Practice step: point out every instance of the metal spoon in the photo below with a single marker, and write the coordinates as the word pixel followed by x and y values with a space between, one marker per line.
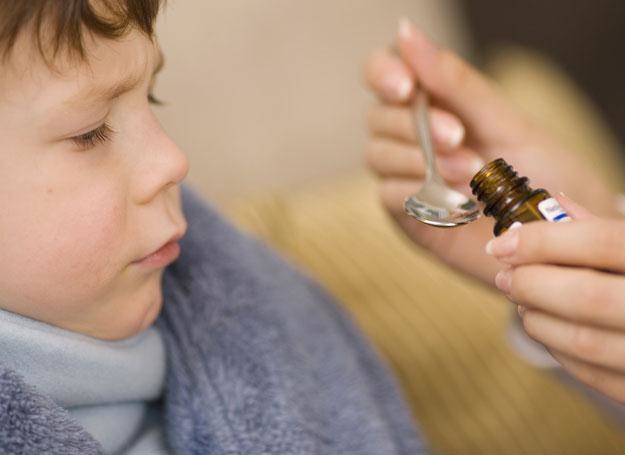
pixel 436 204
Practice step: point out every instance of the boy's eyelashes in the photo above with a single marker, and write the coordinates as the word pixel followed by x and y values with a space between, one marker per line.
pixel 103 132
pixel 94 137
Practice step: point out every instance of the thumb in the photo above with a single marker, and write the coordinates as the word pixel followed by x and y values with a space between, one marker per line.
pixel 453 82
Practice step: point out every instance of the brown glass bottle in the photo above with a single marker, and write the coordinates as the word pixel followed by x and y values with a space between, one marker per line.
pixel 508 198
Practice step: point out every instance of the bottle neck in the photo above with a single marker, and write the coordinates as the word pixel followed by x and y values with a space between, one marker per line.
pixel 499 188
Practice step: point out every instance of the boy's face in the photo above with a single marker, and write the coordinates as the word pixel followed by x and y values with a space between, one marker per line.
pixel 81 202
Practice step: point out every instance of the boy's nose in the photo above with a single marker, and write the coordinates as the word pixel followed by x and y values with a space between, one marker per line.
pixel 164 165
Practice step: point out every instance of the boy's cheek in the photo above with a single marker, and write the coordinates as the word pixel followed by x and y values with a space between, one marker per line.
pixel 65 253
pixel 66 248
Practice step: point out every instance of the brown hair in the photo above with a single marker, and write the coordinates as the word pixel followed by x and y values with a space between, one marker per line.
pixel 66 21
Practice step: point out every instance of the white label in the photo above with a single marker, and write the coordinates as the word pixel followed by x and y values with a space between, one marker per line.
pixel 552 211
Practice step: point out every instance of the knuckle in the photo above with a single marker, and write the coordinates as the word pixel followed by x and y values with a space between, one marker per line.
pixel 391 122
pixel 530 245
pixel 372 152
pixel 520 292
pixel 590 297
pixel 380 160
pixel 585 343
pixel 372 61
pixel 384 194
pixel 591 378
pixel 607 241
pixel 455 70
pixel 388 198
pixel 403 125
pixel 529 326
pixel 374 68
pixel 390 158
pixel 371 155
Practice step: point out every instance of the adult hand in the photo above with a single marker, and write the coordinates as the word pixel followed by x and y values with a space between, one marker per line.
pixel 472 123
pixel 569 282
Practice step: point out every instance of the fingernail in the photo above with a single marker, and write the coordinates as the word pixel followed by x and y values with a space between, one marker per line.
pixel 406 29
pixel 404 87
pixel 521 310
pixel 398 85
pixel 409 32
pixel 504 245
pixel 448 130
pixel 477 164
pixel 503 281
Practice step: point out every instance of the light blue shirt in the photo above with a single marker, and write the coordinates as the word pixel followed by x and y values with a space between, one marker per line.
pixel 110 387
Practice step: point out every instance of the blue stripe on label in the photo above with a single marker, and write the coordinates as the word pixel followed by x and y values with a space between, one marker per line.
pixel 560 216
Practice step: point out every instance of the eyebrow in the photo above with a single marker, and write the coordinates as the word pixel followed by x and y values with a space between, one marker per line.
pixel 99 94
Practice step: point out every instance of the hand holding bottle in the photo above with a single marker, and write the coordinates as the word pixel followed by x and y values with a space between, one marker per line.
pixel 569 282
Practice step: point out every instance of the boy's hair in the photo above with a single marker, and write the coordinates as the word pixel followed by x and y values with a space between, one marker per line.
pixel 59 25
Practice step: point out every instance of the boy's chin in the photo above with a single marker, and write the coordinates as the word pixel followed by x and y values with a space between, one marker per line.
pixel 142 321
pixel 151 314
pixel 141 313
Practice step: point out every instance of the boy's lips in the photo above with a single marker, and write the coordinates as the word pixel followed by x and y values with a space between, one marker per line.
pixel 164 254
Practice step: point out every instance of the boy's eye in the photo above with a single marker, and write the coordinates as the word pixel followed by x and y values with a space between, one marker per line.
pixel 103 132
pixel 94 137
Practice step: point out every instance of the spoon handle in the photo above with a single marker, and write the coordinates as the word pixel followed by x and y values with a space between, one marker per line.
pixel 422 124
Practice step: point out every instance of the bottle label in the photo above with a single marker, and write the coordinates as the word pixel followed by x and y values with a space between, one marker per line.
pixel 552 211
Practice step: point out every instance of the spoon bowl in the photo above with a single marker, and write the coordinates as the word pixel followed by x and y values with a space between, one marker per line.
pixel 436 203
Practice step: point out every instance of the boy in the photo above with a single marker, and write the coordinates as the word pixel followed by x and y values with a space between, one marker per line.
pixel 247 355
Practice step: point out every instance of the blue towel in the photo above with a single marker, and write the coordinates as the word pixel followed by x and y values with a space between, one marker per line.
pixel 260 361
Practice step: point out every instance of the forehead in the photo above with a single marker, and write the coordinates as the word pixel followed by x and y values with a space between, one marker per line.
pixel 26 75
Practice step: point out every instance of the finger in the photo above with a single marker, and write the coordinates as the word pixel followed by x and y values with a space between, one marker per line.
pixel 390 158
pixel 389 77
pixel 461 88
pixel 606 381
pixel 397 123
pixel 580 295
pixel 601 347
pixel 595 242
pixel 572 208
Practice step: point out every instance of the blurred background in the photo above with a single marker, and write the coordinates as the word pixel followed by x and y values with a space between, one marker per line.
pixel 584 37
pixel 267 99
pixel 267 94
